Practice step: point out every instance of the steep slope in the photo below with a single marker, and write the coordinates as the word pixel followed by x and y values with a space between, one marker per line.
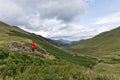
pixel 104 44
pixel 13 36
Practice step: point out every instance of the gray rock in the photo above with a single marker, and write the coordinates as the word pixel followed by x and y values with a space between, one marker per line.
pixel 22 47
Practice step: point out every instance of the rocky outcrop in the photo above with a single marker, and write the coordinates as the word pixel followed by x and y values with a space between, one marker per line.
pixel 18 47
pixel 22 47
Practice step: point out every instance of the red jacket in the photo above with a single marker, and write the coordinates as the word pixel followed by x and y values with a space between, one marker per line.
pixel 33 44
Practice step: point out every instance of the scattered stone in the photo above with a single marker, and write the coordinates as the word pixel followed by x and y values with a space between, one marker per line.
pixel 18 47
pixel 22 47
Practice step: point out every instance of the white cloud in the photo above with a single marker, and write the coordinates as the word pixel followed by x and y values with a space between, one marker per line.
pixel 112 18
pixel 59 9
pixel 69 31
pixel 49 18
pixel 10 12
pixel 90 1
pixel 52 18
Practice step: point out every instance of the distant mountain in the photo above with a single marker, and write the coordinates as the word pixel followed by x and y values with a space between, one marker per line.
pixel 65 41
pixel 54 42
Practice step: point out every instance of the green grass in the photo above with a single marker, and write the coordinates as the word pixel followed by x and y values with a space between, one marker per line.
pixel 10 58
pixel 105 47
pixel 66 66
pixel 26 66
pixel 54 72
pixel 61 54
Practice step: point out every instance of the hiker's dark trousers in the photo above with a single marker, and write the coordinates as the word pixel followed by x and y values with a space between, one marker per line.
pixel 33 49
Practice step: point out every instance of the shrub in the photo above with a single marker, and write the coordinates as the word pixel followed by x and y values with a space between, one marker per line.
pixel 3 54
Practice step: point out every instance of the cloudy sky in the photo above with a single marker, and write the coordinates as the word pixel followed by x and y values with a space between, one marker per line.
pixel 62 19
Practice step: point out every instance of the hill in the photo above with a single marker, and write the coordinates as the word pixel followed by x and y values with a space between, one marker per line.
pixel 48 62
pixel 14 36
pixel 105 46
pixel 17 59
pixel 65 41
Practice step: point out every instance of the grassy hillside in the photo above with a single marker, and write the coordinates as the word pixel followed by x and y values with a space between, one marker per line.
pixel 104 43
pixel 48 62
pixel 14 66
pixel 15 52
pixel 10 34
pixel 105 47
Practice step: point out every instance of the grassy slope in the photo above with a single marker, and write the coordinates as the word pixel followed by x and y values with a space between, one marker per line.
pixel 104 43
pixel 39 69
pixel 8 33
pixel 105 47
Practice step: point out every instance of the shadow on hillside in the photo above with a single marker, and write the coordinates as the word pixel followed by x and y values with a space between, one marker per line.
pixel 18 34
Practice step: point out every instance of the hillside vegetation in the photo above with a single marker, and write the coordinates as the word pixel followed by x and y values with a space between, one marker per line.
pixel 106 43
pixel 15 54
pixel 105 47
pixel 48 62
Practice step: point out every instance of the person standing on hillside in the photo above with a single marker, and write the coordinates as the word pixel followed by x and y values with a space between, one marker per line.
pixel 33 46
